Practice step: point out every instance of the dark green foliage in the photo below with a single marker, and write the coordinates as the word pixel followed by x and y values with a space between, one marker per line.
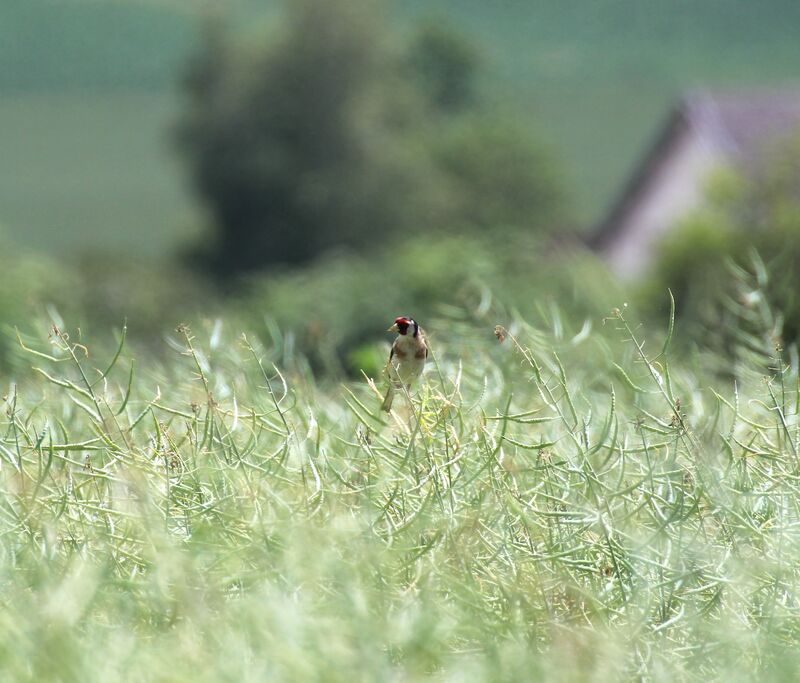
pixel 501 176
pixel 446 64
pixel 296 146
pixel 25 281
pixel 701 261
pixel 97 291
pixel 323 136
pixel 333 312
pixel 337 309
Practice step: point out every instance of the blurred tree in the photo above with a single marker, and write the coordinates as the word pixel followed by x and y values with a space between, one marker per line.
pixel 501 176
pixel 323 136
pixel 446 64
pixel 280 138
pixel 761 212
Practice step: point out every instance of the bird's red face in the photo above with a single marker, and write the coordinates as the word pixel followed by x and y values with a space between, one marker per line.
pixel 401 325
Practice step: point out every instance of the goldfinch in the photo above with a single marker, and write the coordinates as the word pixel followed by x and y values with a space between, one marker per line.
pixel 407 357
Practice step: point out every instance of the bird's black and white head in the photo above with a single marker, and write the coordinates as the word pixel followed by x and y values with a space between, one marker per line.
pixel 405 325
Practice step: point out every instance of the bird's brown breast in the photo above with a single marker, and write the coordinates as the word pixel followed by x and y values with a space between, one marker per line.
pixel 398 352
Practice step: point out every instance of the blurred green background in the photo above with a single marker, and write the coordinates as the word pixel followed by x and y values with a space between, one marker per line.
pixel 88 96
pixel 315 167
pixel 209 214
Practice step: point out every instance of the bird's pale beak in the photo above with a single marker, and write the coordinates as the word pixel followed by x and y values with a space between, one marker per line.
pixel 393 328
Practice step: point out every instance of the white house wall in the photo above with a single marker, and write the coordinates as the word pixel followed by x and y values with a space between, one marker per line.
pixel 673 189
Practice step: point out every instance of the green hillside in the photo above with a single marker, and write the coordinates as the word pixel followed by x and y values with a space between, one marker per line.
pixel 52 45
pixel 598 75
pixel 625 40
pixel 596 78
pixel 141 43
pixel 86 171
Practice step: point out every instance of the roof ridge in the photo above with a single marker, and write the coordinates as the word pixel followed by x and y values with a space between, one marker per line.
pixel 702 111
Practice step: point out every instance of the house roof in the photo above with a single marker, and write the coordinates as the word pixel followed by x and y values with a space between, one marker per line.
pixel 743 123
pixel 740 126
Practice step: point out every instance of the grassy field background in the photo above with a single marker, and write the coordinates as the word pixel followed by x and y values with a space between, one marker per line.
pixel 87 97
pixel 571 493
pixel 554 503
pixel 92 170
